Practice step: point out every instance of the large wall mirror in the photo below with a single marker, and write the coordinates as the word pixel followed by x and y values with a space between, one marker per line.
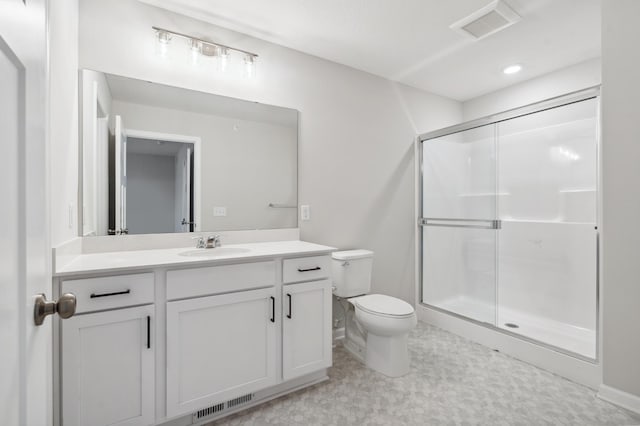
pixel 158 159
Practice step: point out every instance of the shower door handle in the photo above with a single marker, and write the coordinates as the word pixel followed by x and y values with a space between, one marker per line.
pixel 461 223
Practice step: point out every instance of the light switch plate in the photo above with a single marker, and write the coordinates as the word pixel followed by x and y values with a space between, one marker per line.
pixel 305 212
pixel 219 211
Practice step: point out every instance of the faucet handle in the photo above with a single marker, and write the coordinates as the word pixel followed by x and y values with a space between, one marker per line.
pixel 201 243
pixel 213 241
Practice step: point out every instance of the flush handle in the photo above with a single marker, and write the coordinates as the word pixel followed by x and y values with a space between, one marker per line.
pixel 65 307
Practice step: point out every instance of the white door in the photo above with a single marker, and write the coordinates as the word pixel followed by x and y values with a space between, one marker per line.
pixel 306 328
pixel 108 368
pixel 219 348
pixel 25 357
pixel 121 177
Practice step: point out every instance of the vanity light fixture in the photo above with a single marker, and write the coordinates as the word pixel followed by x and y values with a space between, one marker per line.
pixel 196 50
pixel 249 65
pixel 224 58
pixel 163 37
pixel 200 47
pixel 512 69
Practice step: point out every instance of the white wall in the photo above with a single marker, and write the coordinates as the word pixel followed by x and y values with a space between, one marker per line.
pixel 356 155
pixel 63 119
pixel 94 116
pixel 566 80
pixel 245 164
pixel 150 193
pixel 621 179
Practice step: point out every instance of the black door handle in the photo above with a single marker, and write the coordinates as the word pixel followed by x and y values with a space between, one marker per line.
pixel 289 314
pixel 148 332
pixel 273 309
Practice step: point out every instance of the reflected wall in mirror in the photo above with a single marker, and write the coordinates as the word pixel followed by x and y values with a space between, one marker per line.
pixel 158 159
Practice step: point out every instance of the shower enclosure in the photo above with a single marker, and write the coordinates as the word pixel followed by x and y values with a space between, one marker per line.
pixel 508 222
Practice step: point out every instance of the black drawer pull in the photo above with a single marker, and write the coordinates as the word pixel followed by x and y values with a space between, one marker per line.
pixel 273 309
pixel 148 332
pixel 317 268
pixel 93 295
pixel 289 314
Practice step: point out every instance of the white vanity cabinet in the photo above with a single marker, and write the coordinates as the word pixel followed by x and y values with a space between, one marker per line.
pixel 306 317
pixel 192 341
pixel 306 328
pixel 219 348
pixel 108 361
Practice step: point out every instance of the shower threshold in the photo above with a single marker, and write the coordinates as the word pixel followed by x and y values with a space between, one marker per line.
pixel 567 337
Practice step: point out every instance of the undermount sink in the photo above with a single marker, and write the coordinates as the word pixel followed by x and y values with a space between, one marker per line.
pixel 215 252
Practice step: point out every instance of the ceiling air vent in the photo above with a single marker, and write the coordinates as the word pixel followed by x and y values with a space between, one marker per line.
pixel 490 19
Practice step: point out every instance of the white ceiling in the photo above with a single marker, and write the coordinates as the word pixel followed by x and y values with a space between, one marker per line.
pixel 410 40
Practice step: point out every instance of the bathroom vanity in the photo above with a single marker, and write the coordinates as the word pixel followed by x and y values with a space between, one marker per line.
pixel 181 336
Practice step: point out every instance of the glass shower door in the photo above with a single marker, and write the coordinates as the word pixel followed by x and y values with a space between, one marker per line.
pixel 548 241
pixel 459 223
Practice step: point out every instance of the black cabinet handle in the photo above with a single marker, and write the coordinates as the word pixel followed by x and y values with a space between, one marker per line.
pixel 273 309
pixel 148 332
pixel 94 295
pixel 289 314
pixel 317 268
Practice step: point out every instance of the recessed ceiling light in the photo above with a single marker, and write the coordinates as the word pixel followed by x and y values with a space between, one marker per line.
pixel 512 69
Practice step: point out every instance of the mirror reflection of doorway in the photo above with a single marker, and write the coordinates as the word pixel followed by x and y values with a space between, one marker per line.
pixel 159 196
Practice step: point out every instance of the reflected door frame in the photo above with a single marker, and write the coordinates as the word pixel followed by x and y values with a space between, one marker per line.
pixel 197 162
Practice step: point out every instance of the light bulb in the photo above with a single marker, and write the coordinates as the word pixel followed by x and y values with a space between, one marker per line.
pixel 223 54
pixel 249 65
pixel 196 49
pixel 163 38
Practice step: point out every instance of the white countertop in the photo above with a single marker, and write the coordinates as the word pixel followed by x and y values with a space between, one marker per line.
pixel 147 259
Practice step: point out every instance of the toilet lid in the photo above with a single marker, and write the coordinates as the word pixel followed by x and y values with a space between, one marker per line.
pixel 385 305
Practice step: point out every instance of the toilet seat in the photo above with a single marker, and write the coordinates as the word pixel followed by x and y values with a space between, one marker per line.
pixel 384 306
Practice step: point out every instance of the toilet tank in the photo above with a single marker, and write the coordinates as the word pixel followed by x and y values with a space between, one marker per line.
pixel 351 272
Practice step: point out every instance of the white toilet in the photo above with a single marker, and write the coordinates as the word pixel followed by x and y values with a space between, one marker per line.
pixel 378 334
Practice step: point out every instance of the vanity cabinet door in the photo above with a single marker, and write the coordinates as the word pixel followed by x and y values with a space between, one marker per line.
pixel 219 348
pixel 108 368
pixel 306 339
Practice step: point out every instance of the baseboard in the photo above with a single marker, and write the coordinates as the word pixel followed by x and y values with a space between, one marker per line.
pixel 338 334
pixel 620 398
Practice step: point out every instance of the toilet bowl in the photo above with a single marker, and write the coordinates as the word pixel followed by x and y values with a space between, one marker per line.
pixel 387 322
pixel 381 326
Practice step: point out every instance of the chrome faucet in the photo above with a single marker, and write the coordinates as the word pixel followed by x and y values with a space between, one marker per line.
pixel 213 241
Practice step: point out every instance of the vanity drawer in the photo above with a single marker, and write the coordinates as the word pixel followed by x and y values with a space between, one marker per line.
pixel 184 283
pixel 306 268
pixel 95 294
